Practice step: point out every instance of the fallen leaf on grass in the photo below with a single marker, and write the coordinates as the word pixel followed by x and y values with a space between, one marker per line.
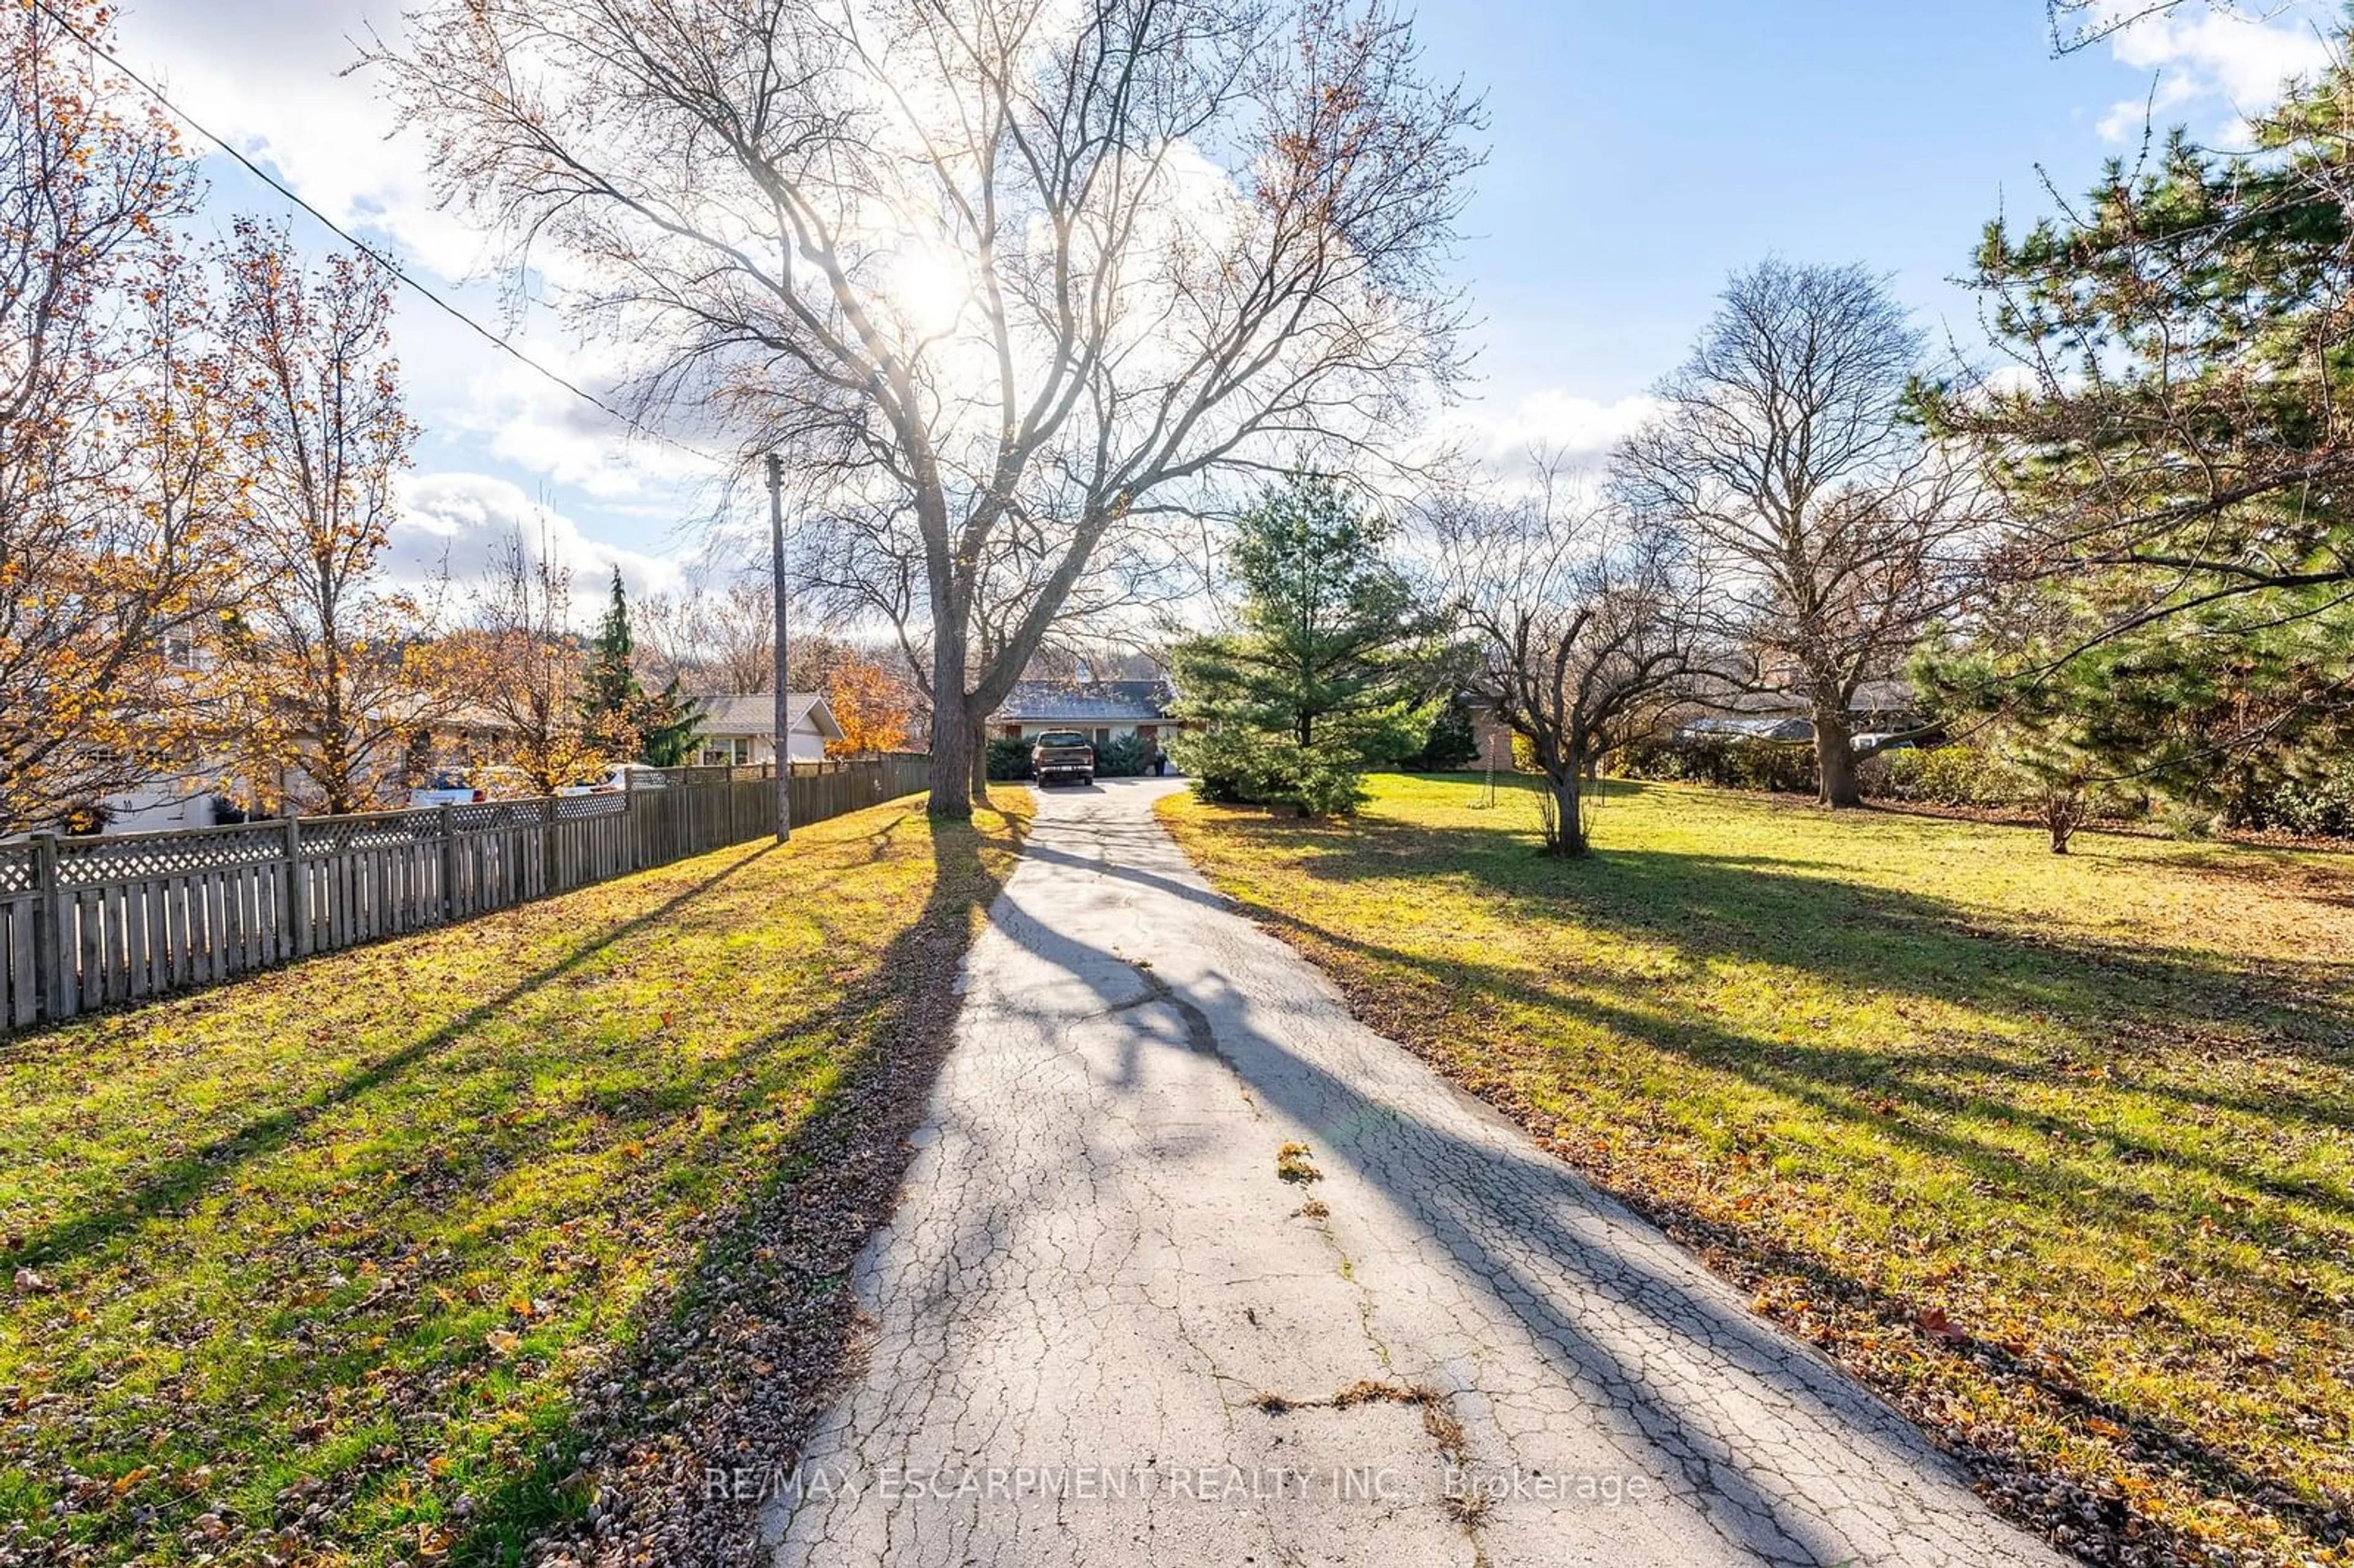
pixel 1933 1320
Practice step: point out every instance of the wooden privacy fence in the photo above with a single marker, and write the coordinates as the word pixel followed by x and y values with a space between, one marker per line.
pixel 89 922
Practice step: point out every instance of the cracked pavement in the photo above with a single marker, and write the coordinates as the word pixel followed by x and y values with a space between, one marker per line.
pixel 1101 1329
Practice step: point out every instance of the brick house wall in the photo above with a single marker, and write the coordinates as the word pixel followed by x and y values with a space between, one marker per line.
pixel 1493 737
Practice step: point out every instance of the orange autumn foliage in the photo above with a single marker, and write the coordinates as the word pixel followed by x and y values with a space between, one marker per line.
pixel 872 704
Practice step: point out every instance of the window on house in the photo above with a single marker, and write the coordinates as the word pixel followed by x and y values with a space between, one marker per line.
pixel 1103 735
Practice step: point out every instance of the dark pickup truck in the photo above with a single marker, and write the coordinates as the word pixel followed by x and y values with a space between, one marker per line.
pixel 1062 754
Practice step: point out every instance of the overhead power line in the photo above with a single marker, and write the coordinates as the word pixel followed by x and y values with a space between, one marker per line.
pixel 393 268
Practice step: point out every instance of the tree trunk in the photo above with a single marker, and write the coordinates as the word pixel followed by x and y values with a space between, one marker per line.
pixel 979 762
pixel 1835 757
pixel 2063 813
pixel 1566 821
pixel 952 793
pixel 952 724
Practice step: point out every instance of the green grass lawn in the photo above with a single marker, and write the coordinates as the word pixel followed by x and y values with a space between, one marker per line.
pixel 351 1263
pixel 2057 1152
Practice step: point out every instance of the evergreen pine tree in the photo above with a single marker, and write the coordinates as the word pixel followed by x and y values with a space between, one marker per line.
pixel 622 720
pixel 670 727
pixel 1333 668
pixel 611 695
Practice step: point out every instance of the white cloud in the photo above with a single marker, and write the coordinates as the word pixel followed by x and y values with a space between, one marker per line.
pixel 452 522
pixel 531 422
pixel 2202 55
pixel 276 79
pixel 1580 430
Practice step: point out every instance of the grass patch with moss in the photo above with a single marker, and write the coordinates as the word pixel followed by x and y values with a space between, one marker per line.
pixel 2058 1153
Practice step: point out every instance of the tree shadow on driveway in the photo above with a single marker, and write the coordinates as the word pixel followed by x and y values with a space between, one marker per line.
pixel 1864 1064
pixel 1693 1386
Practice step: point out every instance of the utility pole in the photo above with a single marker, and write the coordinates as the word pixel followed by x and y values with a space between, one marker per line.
pixel 784 624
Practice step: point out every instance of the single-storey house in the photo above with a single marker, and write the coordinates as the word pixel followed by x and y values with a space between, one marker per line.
pixel 1879 708
pixel 1104 711
pixel 740 729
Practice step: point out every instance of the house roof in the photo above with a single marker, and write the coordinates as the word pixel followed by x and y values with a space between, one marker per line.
pixel 1088 701
pixel 755 713
pixel 1762 727
pixel 1870 698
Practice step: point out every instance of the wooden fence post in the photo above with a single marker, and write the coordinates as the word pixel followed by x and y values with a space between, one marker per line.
pixel 295 941
pixel 448 815
pixel 629 815
pixel 546 845
pixel 54 982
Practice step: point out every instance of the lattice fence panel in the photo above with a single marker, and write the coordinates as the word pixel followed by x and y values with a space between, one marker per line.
pixel 138 857
pixel 143 915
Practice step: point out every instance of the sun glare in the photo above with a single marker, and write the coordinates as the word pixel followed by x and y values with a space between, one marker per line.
pixel 930 290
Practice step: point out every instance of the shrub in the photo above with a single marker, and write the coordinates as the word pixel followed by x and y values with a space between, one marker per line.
pixel 1450 744
pixel 1009 758
pixel 1948 776
pixel 1728 762
pixel 1232 763
pixel 2319 804
pixel 1128 757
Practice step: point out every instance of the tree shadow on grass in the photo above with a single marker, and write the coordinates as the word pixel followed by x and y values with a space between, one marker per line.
pixel 716 1383
pixel 1815 1076
pixel 1467 1197
pixel 681 1347
pixel 1871 938
pixel 183 1179
pixel 1859 936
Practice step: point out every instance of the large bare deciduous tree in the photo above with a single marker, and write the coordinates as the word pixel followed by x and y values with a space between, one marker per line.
pixel 1007 280
pixel 1584 617
pixel 715 632
pixel 1832 532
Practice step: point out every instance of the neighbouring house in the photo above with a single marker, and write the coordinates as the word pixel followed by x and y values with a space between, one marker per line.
pixel 740 729
pixel 181 801
pixel 1879 708
pixel 1491 738
pixel 1104 711
pixel 216 790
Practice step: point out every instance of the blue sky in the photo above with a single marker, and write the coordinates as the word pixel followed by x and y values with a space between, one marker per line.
pixel 1641 152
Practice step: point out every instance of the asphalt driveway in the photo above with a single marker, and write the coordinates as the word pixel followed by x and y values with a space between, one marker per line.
pixel 1114 1321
